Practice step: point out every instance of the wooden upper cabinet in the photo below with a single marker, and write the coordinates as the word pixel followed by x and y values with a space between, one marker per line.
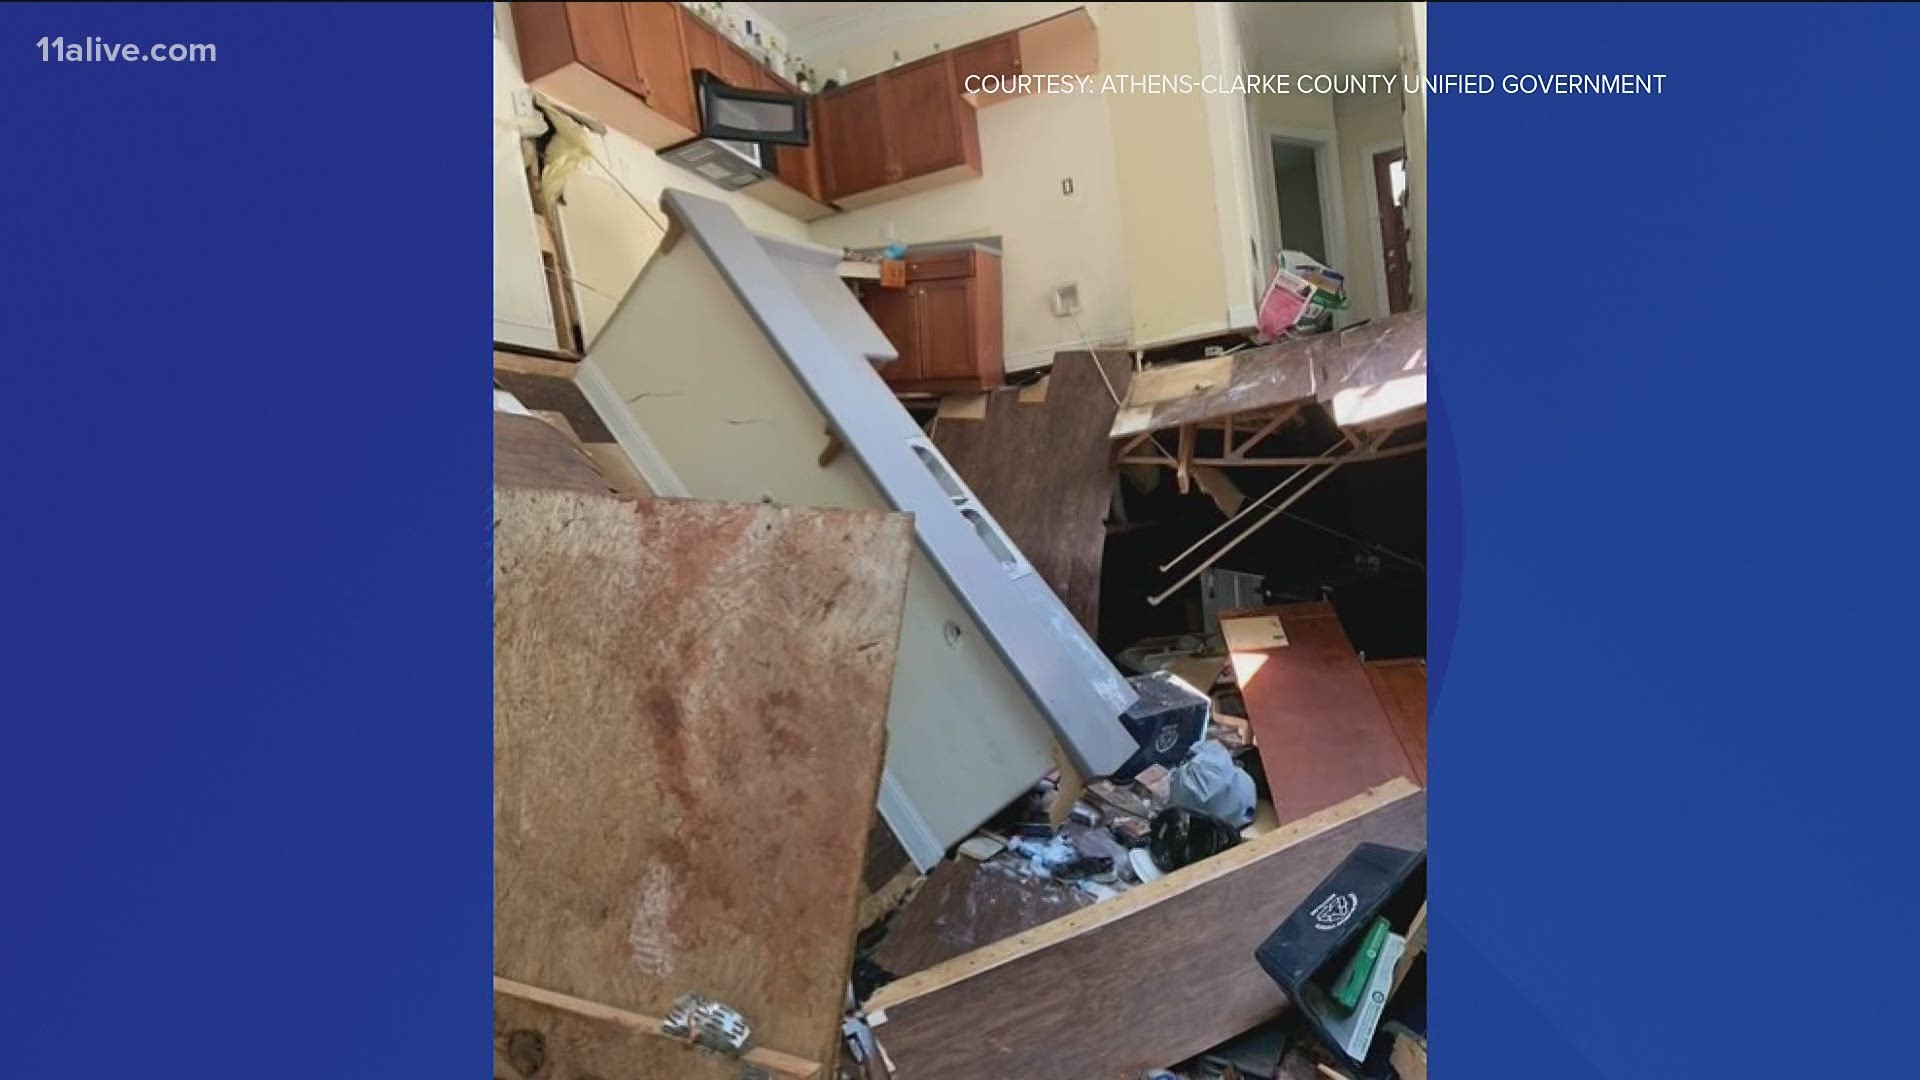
pixel 946 315
pixel 996 57
pixel 660 59
pixel 738 68
pixel 853 144
pixel 599 39
pixel 921 104
pixel 702 43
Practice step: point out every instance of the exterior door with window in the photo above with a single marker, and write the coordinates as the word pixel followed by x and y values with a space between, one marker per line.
pixel 1390 188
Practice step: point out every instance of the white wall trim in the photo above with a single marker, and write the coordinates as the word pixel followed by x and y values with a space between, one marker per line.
pixel 1376 252
pixel 1030 359
pixel 1326 168
pixel 639 449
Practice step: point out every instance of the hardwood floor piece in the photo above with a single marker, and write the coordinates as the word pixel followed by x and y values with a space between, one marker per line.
pixel 966 905
pixel 1045 471
pixel 690 703
pixel 1317 724
pixel 1141 981
pixel 1401 686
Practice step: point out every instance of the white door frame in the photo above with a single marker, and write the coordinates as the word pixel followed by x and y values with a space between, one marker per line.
pixel 1376 251
pixel 1326 167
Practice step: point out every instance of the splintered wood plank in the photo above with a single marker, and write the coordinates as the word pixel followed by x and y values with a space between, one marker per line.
pixel 1401 686
pixel 1142 981
pixel 690 702
pixel 1319 728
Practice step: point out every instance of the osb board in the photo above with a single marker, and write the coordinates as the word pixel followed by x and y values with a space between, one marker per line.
pixel 1320 731
pixel 1045 471
pixel 966 905
pixel 1299 369
pixel 1401 686
pixel 529 452
pixel 689 709
pixel 1141 981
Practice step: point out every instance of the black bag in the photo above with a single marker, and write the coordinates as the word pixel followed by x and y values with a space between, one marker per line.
pixel 1323 933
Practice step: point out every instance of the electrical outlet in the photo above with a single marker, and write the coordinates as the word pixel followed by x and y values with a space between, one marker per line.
pixel 1066 299
pixel 1066 186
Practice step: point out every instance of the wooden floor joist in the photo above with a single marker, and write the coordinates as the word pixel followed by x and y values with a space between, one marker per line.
pixel 1141 981
pixel 775 1063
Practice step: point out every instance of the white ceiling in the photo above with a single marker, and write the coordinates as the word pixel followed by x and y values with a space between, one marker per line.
pixel 1309 39
pixel 798 18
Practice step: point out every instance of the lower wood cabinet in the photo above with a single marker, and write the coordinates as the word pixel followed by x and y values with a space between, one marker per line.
pixel 945 323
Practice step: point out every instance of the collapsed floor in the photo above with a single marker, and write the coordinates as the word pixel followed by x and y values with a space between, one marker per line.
pixel 691 713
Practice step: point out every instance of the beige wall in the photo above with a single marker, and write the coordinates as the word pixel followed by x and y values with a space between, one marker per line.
pixel 916 35
pixel 1027 147
pixel 608 237
pixel 1366 123
pixel 1142 234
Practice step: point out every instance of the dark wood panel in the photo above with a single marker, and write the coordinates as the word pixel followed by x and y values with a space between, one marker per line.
pixel 946 312
pixel 600 41
pixel 921 103
pixel 660 58
pixel 1319 727
pixel 1045 471
pixel 1401 686
pixel 1138 982
pixel 965 906
pixel 853 143
pixel 893 311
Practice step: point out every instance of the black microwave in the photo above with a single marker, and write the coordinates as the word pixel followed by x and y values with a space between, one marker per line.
pixel 735 114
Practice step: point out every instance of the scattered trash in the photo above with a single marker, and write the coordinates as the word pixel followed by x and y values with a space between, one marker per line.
pixel 1043 858
pixel 1153 781
pixel 1131 831
pixel 1122 800
pixel 1084 814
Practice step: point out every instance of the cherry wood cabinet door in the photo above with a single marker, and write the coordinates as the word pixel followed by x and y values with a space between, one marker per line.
pixel 600 42
pixel 738 68
pixel 920 104
pixel 852 141
pixel 995 56
pixel 946 329
pixel 660 59
pixel 893 311
pixel 702 43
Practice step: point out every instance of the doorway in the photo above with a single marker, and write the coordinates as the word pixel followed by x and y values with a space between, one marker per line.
pixel 1389 168
pixel 1303 210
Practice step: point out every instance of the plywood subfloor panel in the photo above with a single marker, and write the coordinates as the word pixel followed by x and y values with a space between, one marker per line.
pixel 1141 981
pixel 1320 731
pixel 1401 686
pixel 689 708
pixel 1045 470
pixel 966 905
